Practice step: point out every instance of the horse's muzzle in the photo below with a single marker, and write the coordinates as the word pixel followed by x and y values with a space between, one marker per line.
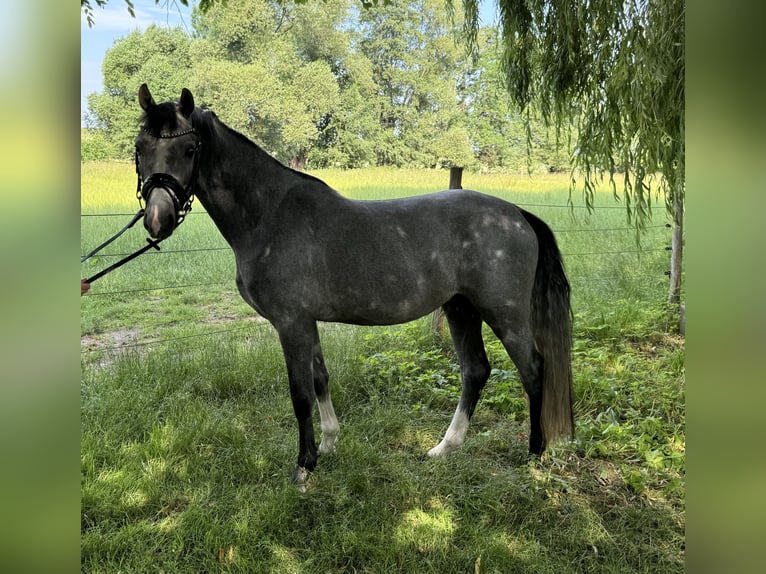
pixel 160 217
pixel 165 210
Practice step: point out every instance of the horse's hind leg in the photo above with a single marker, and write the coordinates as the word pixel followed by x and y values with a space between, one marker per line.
pixel 465 329
pixel 328 420
pixel 516 336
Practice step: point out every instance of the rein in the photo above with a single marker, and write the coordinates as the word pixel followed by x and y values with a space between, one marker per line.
pixel 130 224
pixel 152 244
pixel 143 190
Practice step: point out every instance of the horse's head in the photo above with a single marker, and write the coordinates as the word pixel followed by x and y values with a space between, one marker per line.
pixel 167 160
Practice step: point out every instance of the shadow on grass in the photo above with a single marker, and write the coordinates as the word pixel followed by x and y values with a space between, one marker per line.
pixel 186 452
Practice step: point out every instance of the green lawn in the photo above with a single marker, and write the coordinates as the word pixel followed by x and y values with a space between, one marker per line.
pixel 188 434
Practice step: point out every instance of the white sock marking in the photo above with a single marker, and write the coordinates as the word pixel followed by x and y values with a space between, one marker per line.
pixel 329 425
pixel 454 437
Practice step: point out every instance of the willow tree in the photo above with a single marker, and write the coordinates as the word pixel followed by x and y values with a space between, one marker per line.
pixel 610 74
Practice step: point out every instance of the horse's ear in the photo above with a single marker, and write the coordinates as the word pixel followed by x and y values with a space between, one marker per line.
pixel 145 98
pixel 187 102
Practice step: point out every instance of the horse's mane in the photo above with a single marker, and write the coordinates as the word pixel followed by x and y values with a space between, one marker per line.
pixel 208 123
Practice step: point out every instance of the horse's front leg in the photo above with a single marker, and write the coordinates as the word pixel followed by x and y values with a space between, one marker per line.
pixel 297 344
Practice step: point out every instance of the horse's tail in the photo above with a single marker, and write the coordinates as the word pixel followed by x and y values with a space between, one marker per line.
pixel 552 330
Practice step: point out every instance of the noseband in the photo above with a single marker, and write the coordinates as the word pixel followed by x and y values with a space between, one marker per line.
pixel 182 196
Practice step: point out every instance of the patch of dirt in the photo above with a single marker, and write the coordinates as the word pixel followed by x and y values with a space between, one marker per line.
pixel 218 317
pixel 109 344
pixel 112 341
pixel 659 345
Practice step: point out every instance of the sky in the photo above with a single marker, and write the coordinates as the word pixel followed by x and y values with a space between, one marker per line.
pixel 114 22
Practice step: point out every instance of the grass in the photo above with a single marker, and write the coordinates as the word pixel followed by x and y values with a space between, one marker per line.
pixel 188 435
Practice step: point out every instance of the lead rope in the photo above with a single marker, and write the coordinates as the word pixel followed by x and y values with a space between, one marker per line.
pixel 151 243
pixel 130 224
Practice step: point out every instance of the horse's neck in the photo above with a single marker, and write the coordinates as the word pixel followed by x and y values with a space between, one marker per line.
pixel 241 183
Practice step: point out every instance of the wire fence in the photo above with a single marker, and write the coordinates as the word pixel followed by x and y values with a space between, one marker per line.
pixel 665 240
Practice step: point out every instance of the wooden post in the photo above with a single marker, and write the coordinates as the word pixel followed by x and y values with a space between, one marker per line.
pixel 676 259
pixel 456 178
pixel 677 250
pixel 455 182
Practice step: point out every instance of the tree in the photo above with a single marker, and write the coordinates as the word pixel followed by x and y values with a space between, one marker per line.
pixel 264 67
pixel 349 139
pixel 501 135
pixel 95 145
pixel 158 56
pixel 415 67
pixel 611 73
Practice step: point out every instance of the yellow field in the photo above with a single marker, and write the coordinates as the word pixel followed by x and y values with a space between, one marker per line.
pixel 111 185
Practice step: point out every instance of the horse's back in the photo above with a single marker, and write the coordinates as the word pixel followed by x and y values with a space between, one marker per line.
pixel 382 262
pixel 416 253
pixel 459 224
pixel 454 212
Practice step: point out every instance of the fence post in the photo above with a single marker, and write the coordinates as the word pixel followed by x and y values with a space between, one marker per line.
pixel 676 259
pixel 456 178
pixel 677 249
pixel 455 182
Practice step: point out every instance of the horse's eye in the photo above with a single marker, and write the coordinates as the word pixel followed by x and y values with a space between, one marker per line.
pixel 190 151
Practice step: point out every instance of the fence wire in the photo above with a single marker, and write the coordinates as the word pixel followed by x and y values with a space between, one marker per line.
pixel 162 341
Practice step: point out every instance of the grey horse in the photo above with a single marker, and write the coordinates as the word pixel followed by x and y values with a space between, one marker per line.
pixel 304 253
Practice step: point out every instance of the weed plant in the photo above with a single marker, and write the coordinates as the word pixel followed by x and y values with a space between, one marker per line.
pixel 188 433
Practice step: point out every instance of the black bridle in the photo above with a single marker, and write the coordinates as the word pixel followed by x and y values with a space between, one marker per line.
pixel 182 201
pixel 182 196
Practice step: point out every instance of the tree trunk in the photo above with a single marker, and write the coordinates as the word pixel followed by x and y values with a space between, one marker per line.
pixel 677 250
pixel 676 258
pixel 298 161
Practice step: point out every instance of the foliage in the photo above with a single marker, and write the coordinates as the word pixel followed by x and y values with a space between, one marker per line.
pixel 414 65
pixel 613 73
pixel 158 56
pixel 504 138
pixel 95 146
pixel 350 137
pixel 324 85
pixel 252 72
pixel 408 363
pixel 87 8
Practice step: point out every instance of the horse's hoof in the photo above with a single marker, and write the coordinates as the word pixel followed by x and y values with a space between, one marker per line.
pixel 326 448
pixel 444 448
pixel 435 452
pixel 534 459
pixel 299 478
